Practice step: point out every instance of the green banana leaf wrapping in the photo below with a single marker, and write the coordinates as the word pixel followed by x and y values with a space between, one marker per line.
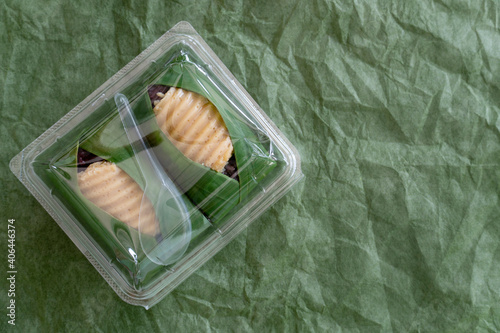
pixel 213 192
pixel 121 243
pixel 209 196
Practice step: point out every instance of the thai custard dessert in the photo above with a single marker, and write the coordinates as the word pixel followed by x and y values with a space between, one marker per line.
pixel 195 127
pixel 111 189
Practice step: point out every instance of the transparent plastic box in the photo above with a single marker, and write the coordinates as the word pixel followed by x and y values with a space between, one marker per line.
pixel 160 167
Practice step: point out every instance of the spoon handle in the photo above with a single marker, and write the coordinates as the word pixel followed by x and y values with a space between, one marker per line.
pixel 146 160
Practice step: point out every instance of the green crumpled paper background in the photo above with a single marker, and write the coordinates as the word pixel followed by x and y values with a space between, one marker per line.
pixel 394 107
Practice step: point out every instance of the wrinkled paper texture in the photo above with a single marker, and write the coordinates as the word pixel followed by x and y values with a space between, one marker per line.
pixel 394 108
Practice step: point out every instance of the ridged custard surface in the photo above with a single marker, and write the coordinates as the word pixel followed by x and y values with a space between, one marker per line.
pixel 193 124
pixel 115 192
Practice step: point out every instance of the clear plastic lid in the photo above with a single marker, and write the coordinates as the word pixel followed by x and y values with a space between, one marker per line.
pixel 160 167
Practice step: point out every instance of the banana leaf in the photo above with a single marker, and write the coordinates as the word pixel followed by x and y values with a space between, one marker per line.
pixel 102 134
pixel 214 193
pixel 115 238
pixel 120 243
pixel 253 161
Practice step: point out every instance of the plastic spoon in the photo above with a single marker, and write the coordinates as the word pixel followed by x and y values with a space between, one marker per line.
pixel 170 209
